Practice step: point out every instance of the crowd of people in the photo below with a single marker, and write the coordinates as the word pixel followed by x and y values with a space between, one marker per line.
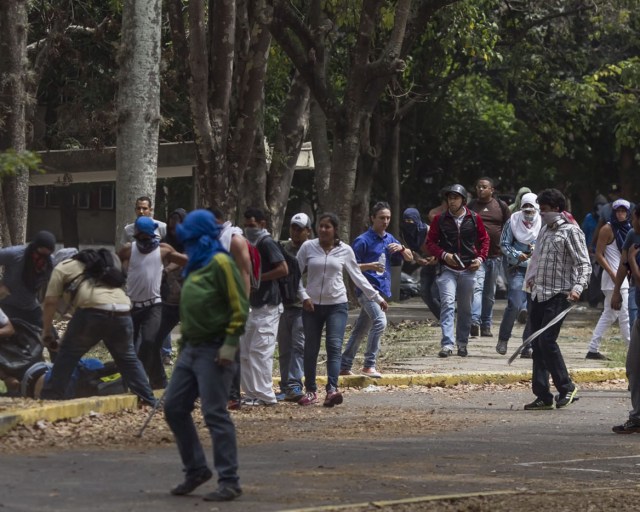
pixel 227 348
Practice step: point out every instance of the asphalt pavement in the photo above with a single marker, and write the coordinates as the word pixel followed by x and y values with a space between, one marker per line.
pixel 478 441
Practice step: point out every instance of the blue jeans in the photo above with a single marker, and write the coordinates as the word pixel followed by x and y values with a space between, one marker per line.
pixel 373 320
pixel 429 289
pixel 517 296
pixel 547 358
pixel 146 322
pixel 197 374
pixel 455 287
pixel 484 293
pixel 85 330
pixel 334 318
pixel 290 348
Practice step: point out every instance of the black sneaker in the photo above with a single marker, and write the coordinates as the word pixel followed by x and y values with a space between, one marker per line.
pixel 445 352
pixel 597 355
pixel 501 347
pixel 522 316
pixel 628 427
pixel 192 482
pixel 475 330
pixel 526 353
pixel 462 351
pixel 539 405
pixel 567 398
pixel 486 332
pixel 223 493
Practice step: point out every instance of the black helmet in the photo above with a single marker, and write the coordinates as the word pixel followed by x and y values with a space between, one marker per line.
pixel 456 189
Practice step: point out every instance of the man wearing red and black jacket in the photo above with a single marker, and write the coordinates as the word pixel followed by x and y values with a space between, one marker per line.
pixel 457 237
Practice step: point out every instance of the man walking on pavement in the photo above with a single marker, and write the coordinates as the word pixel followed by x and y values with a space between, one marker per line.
pixel 558 272
pixel 290 328
pixel 146 258
pixel 258 343
pixel 213 311
pixel 494 213
pixel 459 240
pixel 374 250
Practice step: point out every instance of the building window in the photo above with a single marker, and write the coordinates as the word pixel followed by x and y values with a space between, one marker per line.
pixel 83 200
pixel 107 197
pixel 38 196
pixel 53 197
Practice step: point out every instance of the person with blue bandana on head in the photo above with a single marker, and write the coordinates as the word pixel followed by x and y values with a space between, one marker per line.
pixel 213 312
pixel 146 258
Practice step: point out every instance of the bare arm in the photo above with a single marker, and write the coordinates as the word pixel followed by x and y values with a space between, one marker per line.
pixel 280 270
pixel 621 275
pixel 7 330
pixel 48 311
pixel 169 254
pixel 240 253
pixel 605 237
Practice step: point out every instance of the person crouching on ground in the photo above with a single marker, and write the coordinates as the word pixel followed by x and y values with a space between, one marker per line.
pixel 213 313
pixel 558 272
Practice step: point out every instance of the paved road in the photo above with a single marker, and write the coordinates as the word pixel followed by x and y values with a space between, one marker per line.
pixel 481 441
pixel 476 441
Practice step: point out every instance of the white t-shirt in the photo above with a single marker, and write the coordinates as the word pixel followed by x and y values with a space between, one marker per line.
pixel 4 319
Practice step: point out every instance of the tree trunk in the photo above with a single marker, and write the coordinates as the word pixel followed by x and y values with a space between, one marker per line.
pixel 138 106
pixel 321 154
pixel 293 126
pixel 13 98
pixel 394 177
pixel 254 182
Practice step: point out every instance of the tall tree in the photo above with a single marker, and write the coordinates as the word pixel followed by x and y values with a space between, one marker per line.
pixel 227 50
pixel 138 106
pixel 14 188
pixel 347 65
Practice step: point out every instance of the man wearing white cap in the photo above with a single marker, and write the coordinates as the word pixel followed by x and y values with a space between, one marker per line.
pixel 290 329
pixel 608 251
pixel 517 243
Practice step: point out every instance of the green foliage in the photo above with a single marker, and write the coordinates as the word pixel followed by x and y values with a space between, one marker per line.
pixel 12 161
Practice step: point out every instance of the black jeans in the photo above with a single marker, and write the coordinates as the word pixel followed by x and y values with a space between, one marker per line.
pixel 429 288
pixel 547 358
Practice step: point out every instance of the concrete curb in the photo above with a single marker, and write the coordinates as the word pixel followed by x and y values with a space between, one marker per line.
pixel 54 411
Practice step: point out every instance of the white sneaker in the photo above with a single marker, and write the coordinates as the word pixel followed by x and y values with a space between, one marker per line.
pixel 371 372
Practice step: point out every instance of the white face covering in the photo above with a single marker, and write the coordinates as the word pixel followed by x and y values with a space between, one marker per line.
pixel 529 215
pixel 550 218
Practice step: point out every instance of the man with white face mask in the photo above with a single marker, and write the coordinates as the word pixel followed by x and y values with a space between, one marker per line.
pixel 517 243
pixel 558 272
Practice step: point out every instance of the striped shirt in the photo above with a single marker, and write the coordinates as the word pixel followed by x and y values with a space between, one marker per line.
pixel 560 262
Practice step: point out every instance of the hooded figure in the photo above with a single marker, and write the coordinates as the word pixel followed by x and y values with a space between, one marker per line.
pixel 37 266
pixel 526 223
pixel 176 217
pixel 199 233
pixel 515 207
pixel 414 231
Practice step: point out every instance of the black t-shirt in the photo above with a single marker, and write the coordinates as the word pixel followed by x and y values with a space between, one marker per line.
pixel 269 292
